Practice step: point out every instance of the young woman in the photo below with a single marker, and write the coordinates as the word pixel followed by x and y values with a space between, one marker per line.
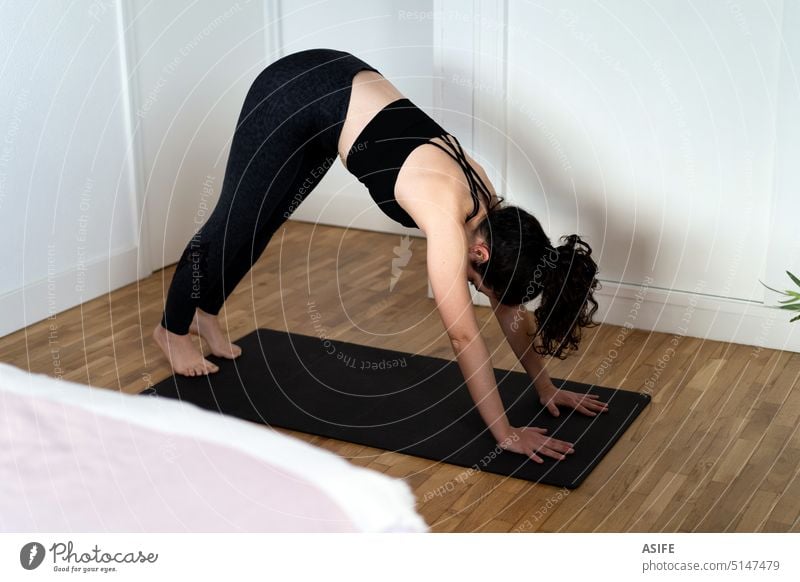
pixel 300 113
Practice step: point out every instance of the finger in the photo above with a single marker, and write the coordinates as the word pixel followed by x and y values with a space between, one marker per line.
pixel 583 410
pixel 537 429
pixel 552 408
pixel 587 399
pixel 584 397
pixel 596 406
pixel 553 454
pixel 536 457
pixel 559 446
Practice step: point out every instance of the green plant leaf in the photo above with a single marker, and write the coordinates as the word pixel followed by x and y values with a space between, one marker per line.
pixel 792 303
pixel 770 288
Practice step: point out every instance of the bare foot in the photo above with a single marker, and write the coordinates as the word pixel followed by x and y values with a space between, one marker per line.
pixel 207 326
pixel 183 355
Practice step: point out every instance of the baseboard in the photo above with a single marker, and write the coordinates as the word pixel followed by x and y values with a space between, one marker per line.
pixel 61 291
pixel 694 315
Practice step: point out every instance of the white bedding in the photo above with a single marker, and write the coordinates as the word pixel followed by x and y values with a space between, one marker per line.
pixel 81 459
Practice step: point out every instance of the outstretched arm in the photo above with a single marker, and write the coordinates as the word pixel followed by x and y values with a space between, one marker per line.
pixel 447 268
pixel 447 271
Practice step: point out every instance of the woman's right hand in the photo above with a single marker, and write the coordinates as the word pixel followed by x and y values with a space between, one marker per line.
pixel 529 441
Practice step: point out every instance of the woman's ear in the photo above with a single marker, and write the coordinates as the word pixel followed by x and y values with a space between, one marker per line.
pixel 479 252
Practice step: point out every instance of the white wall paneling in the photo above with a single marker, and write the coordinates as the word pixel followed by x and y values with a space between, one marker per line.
pixel 393 37
pixel 470 84
pixel 784 229
pixel 190 67
pixel 651 131
pixel 68 207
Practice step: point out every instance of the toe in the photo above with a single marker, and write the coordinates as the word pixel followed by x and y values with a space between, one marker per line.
pixel 233 352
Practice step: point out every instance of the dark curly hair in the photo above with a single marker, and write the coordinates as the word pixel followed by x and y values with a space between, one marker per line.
pixel 523 265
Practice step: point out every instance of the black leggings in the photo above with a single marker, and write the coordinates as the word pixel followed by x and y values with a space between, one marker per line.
pixel 285 142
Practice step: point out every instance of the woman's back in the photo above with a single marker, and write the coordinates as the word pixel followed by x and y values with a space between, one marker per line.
pixel 422 172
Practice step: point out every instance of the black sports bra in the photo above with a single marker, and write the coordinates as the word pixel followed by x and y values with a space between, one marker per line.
pixel 384 144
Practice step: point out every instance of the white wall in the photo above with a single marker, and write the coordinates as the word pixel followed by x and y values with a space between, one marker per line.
pixel 650 129
pixel 394 37
pixel 67 205
pixel 666 120
pixel 784 229
pixel 191 65
pixel 663 152
pixel 665 133
pixel 117 117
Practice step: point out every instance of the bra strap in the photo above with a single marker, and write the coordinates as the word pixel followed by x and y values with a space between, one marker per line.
pixel 476 183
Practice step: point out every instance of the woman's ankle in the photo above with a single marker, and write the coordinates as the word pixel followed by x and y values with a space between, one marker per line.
pixel 206 314
pixel 166 330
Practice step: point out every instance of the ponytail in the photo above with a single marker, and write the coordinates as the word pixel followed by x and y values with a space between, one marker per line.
pixel 523 265
pixel 567 298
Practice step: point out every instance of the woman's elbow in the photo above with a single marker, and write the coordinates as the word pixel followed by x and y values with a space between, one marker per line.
pixel 461 341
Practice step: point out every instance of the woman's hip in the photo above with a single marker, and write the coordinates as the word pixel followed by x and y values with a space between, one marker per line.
pixel 305 92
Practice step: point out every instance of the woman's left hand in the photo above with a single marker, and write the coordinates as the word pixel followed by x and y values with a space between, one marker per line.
pixel 588 404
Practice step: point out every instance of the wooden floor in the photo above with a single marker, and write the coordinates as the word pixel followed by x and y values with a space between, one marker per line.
pixel 717 450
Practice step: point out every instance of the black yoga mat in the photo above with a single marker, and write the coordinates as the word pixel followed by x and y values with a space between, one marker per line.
pixel 401 402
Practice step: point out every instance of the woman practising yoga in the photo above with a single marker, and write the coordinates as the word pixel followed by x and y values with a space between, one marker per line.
pixel 300 113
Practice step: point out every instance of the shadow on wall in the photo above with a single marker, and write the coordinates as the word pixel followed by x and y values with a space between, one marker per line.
pixel 557 182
